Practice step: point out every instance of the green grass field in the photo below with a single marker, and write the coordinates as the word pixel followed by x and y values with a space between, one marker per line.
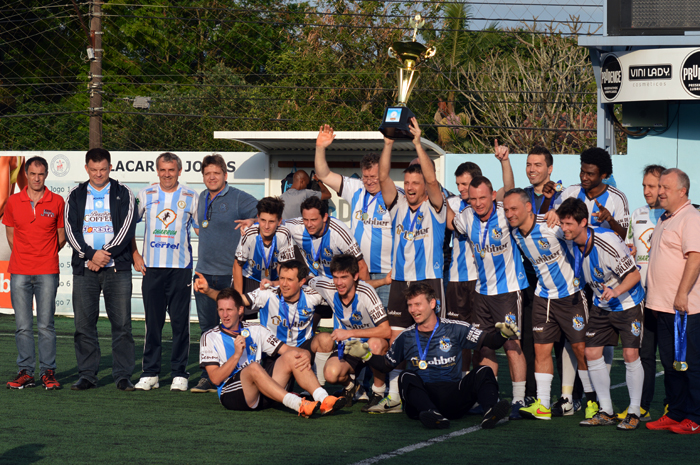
pixel 105 425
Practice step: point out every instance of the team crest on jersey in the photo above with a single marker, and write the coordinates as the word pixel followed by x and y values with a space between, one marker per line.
pixel 252 349
pixel 636 328
pixel 510 318
pixel 419 221
pixel 304 312
pixel 578 323
pixel 327 252
pixel 645 238
pixel 356 317
pixel 496 233
pixel 445 344
pixel 598 273
pixel 543 243
pixel 181 204
pixel 381 209
pixel 167 216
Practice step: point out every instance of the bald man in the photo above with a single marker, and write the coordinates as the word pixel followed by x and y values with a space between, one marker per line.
pixel 296 194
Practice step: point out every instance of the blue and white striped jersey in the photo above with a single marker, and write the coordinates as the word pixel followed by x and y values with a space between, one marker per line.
pixel 97 224
pixel 498 261
pixel 169 215
pixel 444 353
pixel 642 224
pixel 612 199
pixel 606 265
pixel 216 347
pixel 365 310
pixel 546 249
pixel 370 224
pixel 335 240
pixel 253 254
pixel 290 322
pixel 418 240
pixel 463 265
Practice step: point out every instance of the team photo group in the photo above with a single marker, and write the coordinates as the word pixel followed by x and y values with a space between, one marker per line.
pixel 423 288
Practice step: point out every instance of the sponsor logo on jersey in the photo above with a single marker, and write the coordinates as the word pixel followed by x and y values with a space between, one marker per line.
pixel 164 232
pixel 641 222
pixel 445 344
pixel 590 334
pixel 164 245
pixel 578 322
pixel 542 259
pixel 97 229
pixel 96 217
pixel 167 216
pixel 492 249
pixel 399 229
pixel 510 318
pixel 636 328
pixel 442 361
pixel 538 329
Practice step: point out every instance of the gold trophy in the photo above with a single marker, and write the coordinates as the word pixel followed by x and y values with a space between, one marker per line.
pixel 395 124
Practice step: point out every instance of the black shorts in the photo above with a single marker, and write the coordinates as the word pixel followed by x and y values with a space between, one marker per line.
pixel 249 285
pixel 399 318
pixel 606 327
pixel 232 396
pixel 459 300
pixel 356 364
pixel 551 317
pixel 491 309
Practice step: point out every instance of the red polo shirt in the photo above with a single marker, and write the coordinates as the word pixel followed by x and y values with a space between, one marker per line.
pixel 35 241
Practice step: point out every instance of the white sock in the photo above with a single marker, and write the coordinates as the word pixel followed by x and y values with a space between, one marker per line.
pixel 519 391
pixel 394 384
pixel 586 381
pixel 635 383
pixel 379 390
pixel 569 365
pixel 544 388
pixel 320 394
pixel 600 379
pixel 292 401
pixel 608 352
pixel 319 363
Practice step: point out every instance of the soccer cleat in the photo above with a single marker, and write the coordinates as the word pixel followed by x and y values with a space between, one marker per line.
pixel 495 414
pixel 630 422
pixel 643 417
pixel 577 405
pixel 348 392
pixel 591 409
pixel 204 385
pixel 686 427
pixel 373 401
pixel 515 410
pixel 308 408
pixel 146 383
pixel 432 419
pixel 48 379
pixel 386 405
pixel 563 407
pixel 665 422
pixel 536 411
pixel 600 419
pixel 179 384
pixel 21 381
pixel 361 395
pixel 332 404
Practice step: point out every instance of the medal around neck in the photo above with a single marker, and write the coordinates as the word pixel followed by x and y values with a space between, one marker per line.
pixel 205 223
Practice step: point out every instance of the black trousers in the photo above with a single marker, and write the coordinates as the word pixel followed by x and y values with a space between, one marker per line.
pixel 454 399
pixel 167 290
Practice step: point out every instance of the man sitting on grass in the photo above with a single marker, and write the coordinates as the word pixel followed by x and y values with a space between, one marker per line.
pixel 232 354
pixel 432 347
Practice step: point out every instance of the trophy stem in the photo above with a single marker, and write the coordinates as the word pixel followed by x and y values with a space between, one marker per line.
pixel 407 78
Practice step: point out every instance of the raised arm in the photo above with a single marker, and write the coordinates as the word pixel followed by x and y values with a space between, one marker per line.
pixel 502 153
pixel 389 191
pixel 323 172
pixel 432 185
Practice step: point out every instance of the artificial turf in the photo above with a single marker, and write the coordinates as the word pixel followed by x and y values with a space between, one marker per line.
pixel 105 425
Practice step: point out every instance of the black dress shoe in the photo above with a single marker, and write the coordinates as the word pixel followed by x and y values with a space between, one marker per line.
pixel 82 385
pixel 125 385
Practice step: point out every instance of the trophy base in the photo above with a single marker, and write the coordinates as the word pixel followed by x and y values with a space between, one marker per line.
pixel 396 123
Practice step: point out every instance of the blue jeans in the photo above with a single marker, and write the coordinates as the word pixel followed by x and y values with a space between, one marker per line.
pixel 206 307
pixel 116 287
pixel 22 290
pixel 382 292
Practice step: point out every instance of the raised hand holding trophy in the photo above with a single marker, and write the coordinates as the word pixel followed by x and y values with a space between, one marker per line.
pixel 395 124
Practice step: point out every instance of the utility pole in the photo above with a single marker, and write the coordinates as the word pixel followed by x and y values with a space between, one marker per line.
pixel 95 85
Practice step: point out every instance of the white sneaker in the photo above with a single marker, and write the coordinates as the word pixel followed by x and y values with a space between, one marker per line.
pixel 179 384
pixel 146 383
pixel 361 395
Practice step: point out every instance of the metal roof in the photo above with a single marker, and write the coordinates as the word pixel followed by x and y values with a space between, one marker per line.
pixel 690 40
pixel 304 142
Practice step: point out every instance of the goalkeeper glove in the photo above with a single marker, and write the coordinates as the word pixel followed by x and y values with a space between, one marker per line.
pixel 357 349
pixel 508 330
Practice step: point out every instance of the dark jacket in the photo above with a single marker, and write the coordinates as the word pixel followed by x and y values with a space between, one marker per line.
pixel 123 210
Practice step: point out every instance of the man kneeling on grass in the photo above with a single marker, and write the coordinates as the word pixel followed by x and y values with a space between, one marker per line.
pixel 232 354
pixel 432 382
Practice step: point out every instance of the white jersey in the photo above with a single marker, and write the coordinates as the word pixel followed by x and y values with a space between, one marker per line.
pixel 365 310
pixel 97 222
pixel 370 224
pixel 290 322
pixel 546 249
pixel 418 240
pixel 216 347
pixel 335 240
pixel 259 261
pixel 498 261
pixel 611 198
pixel 606 265
pixel 642 224
pixel 169 215
pixel 463 265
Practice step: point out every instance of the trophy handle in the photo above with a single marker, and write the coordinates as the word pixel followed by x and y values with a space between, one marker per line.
pixel 393 54
pixel 429 53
